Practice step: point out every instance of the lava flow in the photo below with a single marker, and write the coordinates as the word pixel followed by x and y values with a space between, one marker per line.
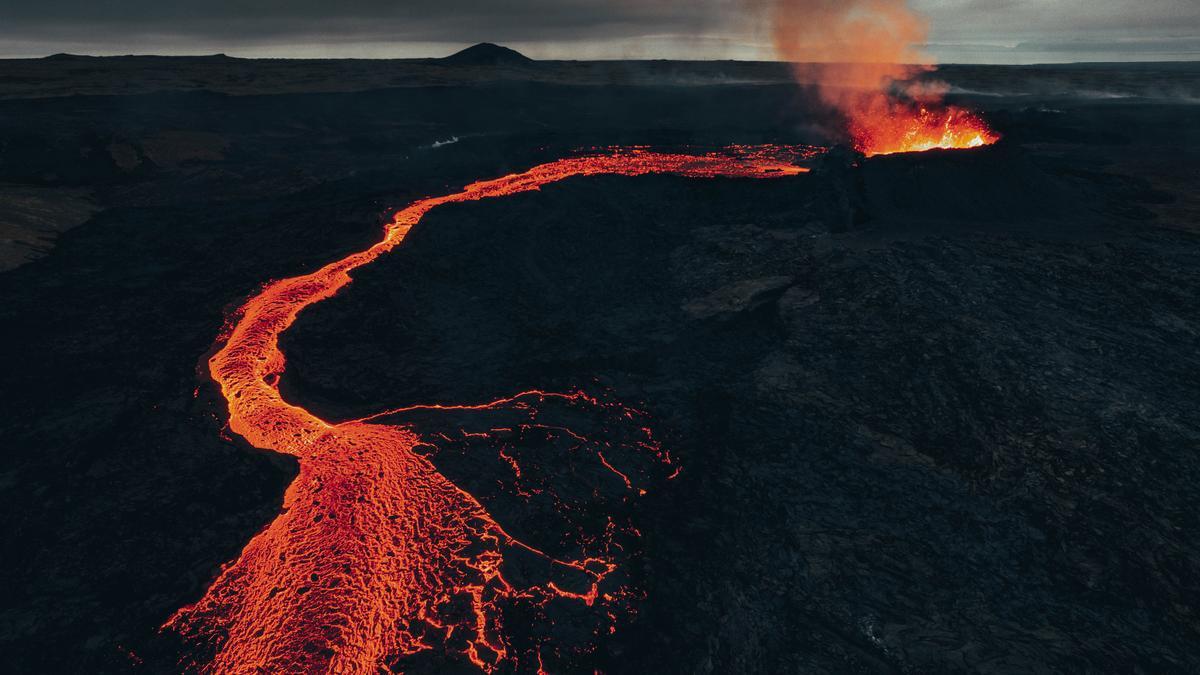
pixel 376 555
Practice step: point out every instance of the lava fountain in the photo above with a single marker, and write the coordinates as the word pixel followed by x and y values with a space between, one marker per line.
pixel 378 556
pixel 862 56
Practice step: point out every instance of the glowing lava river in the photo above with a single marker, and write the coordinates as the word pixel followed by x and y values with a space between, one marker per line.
pixel 377 556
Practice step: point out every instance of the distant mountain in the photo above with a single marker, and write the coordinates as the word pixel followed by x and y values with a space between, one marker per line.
pixel 487 54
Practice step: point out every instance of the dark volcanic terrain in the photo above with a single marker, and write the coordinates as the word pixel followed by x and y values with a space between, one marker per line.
pixel 935 412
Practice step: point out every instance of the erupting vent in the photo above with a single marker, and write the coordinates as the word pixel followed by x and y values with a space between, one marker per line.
pixel 864 60
pixel 916 127
pixel 377 555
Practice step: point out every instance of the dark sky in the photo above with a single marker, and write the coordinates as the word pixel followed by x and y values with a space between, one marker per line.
pixel 1009 31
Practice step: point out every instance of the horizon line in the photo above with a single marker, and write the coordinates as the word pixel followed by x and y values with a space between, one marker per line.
pixel 592 60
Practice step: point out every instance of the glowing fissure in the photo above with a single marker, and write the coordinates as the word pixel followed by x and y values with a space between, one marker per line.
pixel 376 555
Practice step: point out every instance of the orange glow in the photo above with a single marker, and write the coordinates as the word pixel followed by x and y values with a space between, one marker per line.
pixel 905 126
pixel 858 54
pixel 376 554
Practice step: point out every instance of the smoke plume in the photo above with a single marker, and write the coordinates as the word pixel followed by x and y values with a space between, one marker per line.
pixel 862 56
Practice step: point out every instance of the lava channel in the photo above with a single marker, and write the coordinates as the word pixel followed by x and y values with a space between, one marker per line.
pixel 377 557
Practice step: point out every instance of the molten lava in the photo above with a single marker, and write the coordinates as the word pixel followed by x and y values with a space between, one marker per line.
pixel 905 126
pixel 376 554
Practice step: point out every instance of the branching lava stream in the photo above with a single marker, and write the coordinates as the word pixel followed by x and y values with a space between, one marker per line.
pixel 376 555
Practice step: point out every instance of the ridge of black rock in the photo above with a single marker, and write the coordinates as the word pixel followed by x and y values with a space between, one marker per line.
pixel 487 54
pixel 64 56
